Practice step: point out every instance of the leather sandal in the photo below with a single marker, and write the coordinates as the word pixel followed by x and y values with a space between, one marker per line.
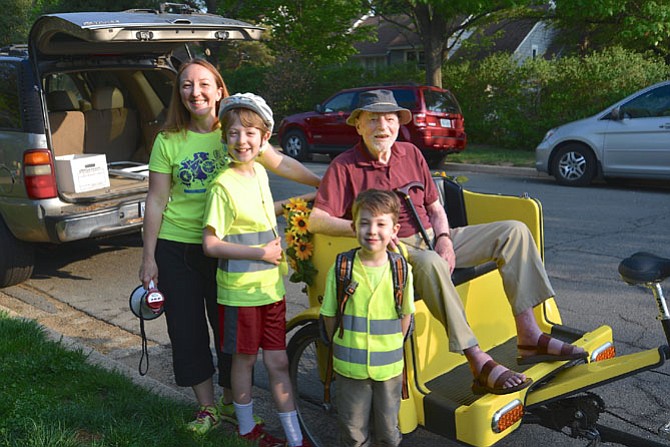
pixel 542 354
pixel 480 384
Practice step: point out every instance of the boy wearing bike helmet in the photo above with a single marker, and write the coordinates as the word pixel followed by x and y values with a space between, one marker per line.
pixel 240 229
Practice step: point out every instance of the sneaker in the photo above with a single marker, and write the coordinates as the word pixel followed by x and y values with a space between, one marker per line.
pixel 206 419
pixel 263 438
pixel 227 412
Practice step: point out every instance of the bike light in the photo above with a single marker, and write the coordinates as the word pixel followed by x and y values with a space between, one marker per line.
pixel 507 416
pixel 603 352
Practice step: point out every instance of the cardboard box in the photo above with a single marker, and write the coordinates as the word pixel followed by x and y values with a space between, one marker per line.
pixel 81 172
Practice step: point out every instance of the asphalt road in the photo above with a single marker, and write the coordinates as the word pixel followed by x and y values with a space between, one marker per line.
pixel 587 232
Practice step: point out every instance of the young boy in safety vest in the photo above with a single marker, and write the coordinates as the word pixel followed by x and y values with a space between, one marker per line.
pixel 241 230
pixel 367 327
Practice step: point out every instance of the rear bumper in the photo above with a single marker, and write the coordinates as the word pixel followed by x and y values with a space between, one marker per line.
pixel 438 141
pixel 126 217
pixel 53 221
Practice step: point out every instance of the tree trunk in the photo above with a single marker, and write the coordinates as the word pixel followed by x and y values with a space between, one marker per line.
pixel 431 27
pixel 433 58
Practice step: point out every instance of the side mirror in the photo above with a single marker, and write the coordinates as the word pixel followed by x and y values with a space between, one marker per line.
pixel 615 114
pixel 318 108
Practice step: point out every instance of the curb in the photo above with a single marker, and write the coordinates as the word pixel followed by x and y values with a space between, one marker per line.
pixel 493 169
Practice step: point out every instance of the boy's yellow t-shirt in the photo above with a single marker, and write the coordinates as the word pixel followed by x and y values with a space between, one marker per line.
pixel 240 209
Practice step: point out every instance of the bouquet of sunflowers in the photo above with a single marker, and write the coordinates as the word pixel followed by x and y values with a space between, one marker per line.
pixel 299 241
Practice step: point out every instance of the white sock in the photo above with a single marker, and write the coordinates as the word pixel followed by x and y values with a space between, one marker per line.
pixel 245 417
pixel 291 426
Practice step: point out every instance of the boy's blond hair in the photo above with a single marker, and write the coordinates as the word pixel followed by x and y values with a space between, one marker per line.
pixel 377 201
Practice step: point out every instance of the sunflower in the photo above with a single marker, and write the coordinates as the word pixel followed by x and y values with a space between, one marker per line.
pixel 299 223
pixel 304 250
pixel 298 205
pixel 290 238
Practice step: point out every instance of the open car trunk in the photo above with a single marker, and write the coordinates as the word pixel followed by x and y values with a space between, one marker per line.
pixel 106 80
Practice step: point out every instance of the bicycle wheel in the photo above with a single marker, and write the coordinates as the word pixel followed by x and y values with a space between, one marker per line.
pixel 307 365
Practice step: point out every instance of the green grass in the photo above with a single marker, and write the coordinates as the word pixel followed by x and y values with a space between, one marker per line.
pixel 492 155
pixel 51 397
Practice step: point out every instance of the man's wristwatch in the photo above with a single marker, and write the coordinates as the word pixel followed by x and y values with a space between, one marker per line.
pixel 447 235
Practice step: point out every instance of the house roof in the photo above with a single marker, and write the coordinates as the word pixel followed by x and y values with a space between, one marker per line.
pixel 389 36
pixel 503 36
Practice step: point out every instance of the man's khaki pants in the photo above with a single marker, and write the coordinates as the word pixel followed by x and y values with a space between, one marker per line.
pixel 508 243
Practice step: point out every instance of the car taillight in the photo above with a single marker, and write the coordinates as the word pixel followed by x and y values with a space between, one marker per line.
pixel 38 174
pixel 423 120
pixel 420 119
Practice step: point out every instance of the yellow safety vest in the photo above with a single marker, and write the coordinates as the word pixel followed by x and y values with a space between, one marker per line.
pixel 371 345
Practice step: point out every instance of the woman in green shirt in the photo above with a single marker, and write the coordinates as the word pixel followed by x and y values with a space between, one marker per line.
pixel 186 156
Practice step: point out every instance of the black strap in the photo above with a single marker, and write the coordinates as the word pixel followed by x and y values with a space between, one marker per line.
pixel 145 350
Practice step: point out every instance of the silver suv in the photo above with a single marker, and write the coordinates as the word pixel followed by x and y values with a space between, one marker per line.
pixel 80 106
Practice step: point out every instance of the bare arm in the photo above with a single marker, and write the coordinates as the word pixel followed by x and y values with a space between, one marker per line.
pixel 322 222
pixel 404 323
pixel 287 167
pixel 329 324
pixel 157 198
pixel 440 224
pixel 279 204
pixel 216 248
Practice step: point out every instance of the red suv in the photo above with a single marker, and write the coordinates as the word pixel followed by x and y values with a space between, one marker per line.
pixel 436 127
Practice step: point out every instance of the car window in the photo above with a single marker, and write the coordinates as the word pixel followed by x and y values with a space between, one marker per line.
pixel 340 103
pixel 62 81
pixel 443 102
pixel 10 112
pixel 653 103
pixel 406 99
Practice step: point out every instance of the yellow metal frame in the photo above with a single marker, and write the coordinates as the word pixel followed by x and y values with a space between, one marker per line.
pixel 431 354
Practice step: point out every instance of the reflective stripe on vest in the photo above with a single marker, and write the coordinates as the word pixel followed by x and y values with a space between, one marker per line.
pixel 247 265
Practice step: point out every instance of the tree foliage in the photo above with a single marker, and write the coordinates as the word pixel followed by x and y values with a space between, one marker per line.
pixel 440 23
pixel 320 32
pixel 636 24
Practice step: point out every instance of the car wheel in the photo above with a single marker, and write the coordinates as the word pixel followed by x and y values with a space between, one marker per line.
pixel 17 260
pixel 574 165
pixel 295 145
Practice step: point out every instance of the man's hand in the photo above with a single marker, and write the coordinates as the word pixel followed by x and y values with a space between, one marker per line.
pixel 445 248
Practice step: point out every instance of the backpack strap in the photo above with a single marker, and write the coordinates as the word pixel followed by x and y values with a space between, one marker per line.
pixel 345 286
pixel 399 274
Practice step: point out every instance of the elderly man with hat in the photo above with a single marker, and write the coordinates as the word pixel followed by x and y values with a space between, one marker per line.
pixel 379 161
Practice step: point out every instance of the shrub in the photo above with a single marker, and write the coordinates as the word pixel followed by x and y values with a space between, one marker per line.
pixel 513 105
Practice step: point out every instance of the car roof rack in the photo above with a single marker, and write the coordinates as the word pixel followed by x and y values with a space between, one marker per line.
pixel 18 49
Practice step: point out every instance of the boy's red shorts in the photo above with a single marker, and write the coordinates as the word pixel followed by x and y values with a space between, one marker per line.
pixel 246 329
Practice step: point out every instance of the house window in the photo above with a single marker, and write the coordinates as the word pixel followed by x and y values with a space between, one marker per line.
pixel 374 63
pixel 533 51
pixel 416 56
